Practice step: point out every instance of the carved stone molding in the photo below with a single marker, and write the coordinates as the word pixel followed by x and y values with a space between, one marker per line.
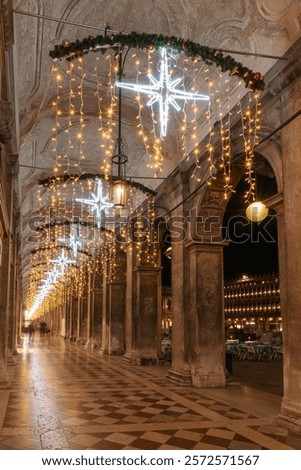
pixel 5 122
pixel 273 10
pixel 286 78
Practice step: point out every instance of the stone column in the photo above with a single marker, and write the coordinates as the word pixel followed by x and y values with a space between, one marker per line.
pixel 68 317
pixel 62 320
pixel 146 309
pixel 90 309
pixel 4 283
pixel 56 321
pixel 12 303
pixel 16 294
pixel 6 269
pixel 129 305
pixel 97 311
pixel 84 317
pixel 290 260
pixel 206 315
pixel 180 367
pixel 78 322
pixel 113 336
pixel 71 317
pixel 74 303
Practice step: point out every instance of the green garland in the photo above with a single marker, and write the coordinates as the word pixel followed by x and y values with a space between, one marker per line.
pixel 72 50
pixel 52 181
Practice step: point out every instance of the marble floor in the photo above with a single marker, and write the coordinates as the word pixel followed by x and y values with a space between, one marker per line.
pixel 64 396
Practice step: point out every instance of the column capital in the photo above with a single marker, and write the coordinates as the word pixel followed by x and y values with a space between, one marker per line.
pixel 145 269
pixel 191 245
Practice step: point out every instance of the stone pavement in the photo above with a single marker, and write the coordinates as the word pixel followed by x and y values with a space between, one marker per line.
pixel 64 396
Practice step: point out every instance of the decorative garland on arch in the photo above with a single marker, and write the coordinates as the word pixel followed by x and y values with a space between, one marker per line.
pixel 52 181
pixel 72 50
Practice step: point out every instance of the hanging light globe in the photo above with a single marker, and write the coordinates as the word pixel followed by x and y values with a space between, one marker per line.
pixel 257 211
pixel 119 194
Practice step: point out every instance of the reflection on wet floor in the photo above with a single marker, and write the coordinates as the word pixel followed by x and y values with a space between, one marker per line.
pixel 66 397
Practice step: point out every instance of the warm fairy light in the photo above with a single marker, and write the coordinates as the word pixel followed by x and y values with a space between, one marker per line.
pixel 75 200
pixel 250 125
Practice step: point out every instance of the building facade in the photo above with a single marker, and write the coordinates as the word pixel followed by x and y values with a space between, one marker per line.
pixel 252 303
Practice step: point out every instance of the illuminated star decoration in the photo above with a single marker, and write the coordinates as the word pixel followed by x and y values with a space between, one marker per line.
pixel 98 203
pixel 163 91
pixel 73 240
pixel 53 275
pixel 62 261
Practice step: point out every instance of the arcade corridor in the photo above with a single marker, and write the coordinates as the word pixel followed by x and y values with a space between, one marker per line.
pixel 64 396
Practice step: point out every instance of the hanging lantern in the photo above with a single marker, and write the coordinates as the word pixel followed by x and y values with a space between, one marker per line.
pixel 257 211
pixel 119 194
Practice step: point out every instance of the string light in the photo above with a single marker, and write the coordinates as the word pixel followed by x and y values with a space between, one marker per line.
pixel 62 261
pixel 69 200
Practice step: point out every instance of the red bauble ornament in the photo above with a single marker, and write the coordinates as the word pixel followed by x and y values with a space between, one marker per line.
pixel 168 42
pixel 184 46
pixel 257 76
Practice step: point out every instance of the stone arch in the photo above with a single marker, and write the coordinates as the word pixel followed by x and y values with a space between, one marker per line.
pixel 208 206
pixel 203 274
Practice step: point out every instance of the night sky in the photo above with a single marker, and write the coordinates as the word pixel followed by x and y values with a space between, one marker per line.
pixel 251 257
pixel 253 247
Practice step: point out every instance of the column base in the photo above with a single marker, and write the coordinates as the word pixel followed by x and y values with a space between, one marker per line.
pixel 81 341
pixel 181 377
pixel 105 352
pixel 72 339
pixel 5 382
pixel 89 344
pixel 127 358
pixel 290 419
pixel 209 381
pixel 210 376
pixel 140 360
pixel 11 361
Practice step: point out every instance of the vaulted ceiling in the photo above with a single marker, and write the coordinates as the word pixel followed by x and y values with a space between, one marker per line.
pixel 262 27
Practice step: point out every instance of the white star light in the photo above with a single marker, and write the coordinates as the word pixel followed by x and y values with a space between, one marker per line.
pixel 53 275
pixel 73 240
pixel 97 203
pixel 163 91
pixel 62 261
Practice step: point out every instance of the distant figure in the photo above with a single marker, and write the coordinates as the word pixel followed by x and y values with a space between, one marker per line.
pixel 258 334
pixel 30 332
pixel 43 328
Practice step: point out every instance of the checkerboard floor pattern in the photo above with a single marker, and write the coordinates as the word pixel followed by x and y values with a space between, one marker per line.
pixel 64 396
